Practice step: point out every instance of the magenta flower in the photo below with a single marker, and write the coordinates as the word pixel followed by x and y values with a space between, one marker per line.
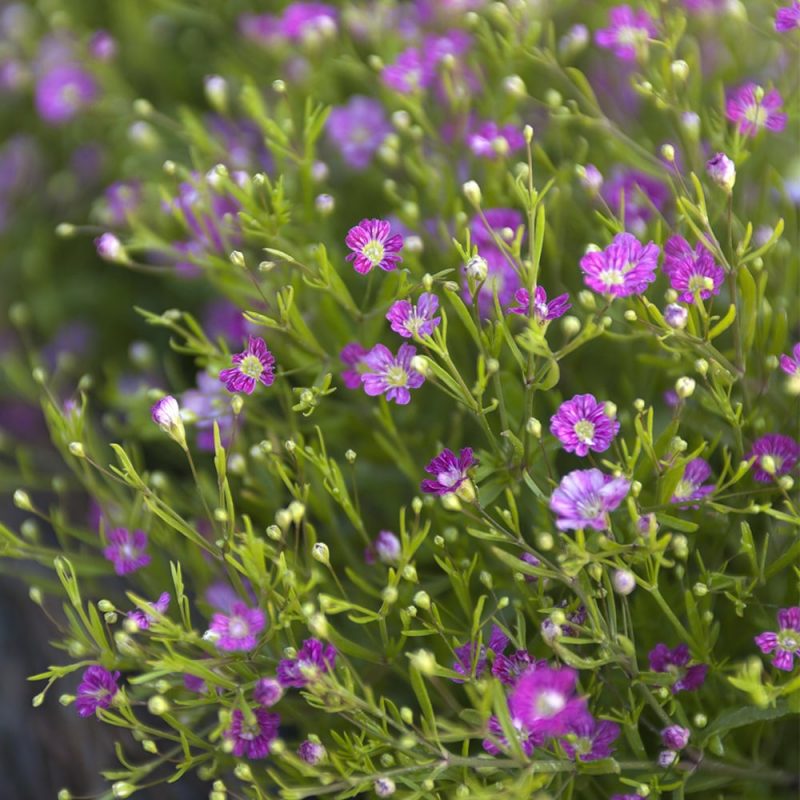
pixel 352 356
pixel 267 692
pixel 472 659
pixel 627 33
pixel 240 629
pixel 544 700
pixel 386 549
pixel 311 752
pixel 499 222
pixel 775 455
pixel 581 424
pixel 489 140
pixel 543 311
pixel 64 91
pixel 391 375
pixel 722 171
pixel 675 661
pixel 528 741
pixel 127 550
pixel 690 487
pixel 144 620
pixel 110 248
pixel 252 366
pixel 303 20
pixel 585 497
pixel 675 737
pixel 415 320
pixel 676 316
pixel 791 364
pixel 449 471
pixel 253 739
pixel 590 739
pixel 194 684
pixel 786 643
pixel 624 268
pixel 788 17
pixel 508 669
pixel 752 109
pixel 313 659
pixel 358 129
pixel 373 246
pixel 691 273
pixel 96 690
pixel 409 73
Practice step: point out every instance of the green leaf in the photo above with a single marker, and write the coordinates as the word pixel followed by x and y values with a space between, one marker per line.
pixel 724 323
pixel 740 717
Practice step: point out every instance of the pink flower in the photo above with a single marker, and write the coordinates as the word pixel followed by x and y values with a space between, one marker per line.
pixel 775 455
pixel 352 356
pixel 391 375
pixel 788 18
pixel 692 273
pixel 252 739
pixel 689 486
pixel 144 620
pixel 96 690
pixel 624 268
pixel 543 311
pixel 544 700
pixel 581 424
pixel 313 659
pixel 786 643
pixel 240 630
pixel 585 497
pixel 627 33
pixel 415 320
pixel 449 471
pixel 752 109
pixel 373 246
pixel 254 365
pixel 676 661
pixel 791 364
pixel 127 550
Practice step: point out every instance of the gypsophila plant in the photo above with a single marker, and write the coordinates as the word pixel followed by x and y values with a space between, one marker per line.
pixel 456 454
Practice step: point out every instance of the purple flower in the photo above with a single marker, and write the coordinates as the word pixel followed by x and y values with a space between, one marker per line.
pixel 267 692
pixel 581 424
pixel 531 559
pixel 255 364
pixel 785 643
pixel 489 140
pixel 385 548
pixel 791 364
pixel 590 739
pixel 590 178
pixel 788 17
pixel 358 130
pixel 636 194
pixel 690 487
pixel 240 629
pixel 253 739
pixel 352 355
pixel 311 752
pixel 122 199
pixel 691 273
pixel 96 690
pixel 472 659
pixel 127 550
pixel 722 171
pixel 544 700
pixel 194 684
pixel 528 741
pixel 675 737
pixel 391 375
pixel 144 620
pixel 303 21
pixel 543 312
pixel 63 91
pixel 752 109
pixel 415 320
pixel 102 46
pixel 166 413
pixel 624 268
pixel 686 678
pixel 373 246
pixel 627 33
pixel 495 222
pixel 449 471
pixel 110 248
pixel 313 659
pixel 408 73
pixel 585 497
pixel 508 669
pixel 775 455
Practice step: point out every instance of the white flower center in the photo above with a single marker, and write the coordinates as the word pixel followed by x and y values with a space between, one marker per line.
pixel 684 488
pixel 238 628
pixel 251 366
pixel 757 115
pixel 396 376
pixel 549 703
pixel 612 277
pixel 373 251
pixel 584 430
pixel 789 640
pixel 449 478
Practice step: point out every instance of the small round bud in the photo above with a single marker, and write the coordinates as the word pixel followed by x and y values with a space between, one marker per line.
pixel 534 427
pixel 680 546
pixel 158 705
pixel 722 171
pixel 477 268
pixel 676 316
pixel 76 448
pixel 424 661
pixel 472 191
pixel 639 404
pixel 350 456
pixel 700 589
pixel 384 787
pixel 422 600
pixel 325 204
pixel 545 541
pixel 35 594
pixel 684 387
pixel 786 482
pixel 389 595
pixel 570 325
pixel 700 720
pixel 668 153
pixel 420 364
pixel 514 86
pixel 321 553
pixel 679 69
pixel 624 581
pixel 22 500
pixel 701 365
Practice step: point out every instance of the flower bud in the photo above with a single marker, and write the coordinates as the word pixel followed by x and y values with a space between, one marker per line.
pixel 297 511
pixel 384 787
pixel 166 413
pixel 624 581
pixel 422 600
pixel 545 541
pixel 121 789
pixel 472 191
pixel 680 545
pixel 534 427
pixel 590 178
pixel 515 86
pixel 321 553
pixel 684 387
pixel 722 171
pixel 668 153
pixel 424 661
pixel 216 89
pixel 76 448
pixel 22 500
pixel 679 69
pixel 691 124
pixel 110 248
pixel 420 364
pixel 158 705
pixel 477 268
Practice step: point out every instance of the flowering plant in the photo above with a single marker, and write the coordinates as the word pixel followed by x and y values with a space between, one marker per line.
pixel 372 508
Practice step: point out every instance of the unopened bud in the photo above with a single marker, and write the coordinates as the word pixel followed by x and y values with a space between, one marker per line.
pixel 679 69
pixel 321 553
pixel 472 191
pixel 534 427
pixel 424 661
pixel 684 387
